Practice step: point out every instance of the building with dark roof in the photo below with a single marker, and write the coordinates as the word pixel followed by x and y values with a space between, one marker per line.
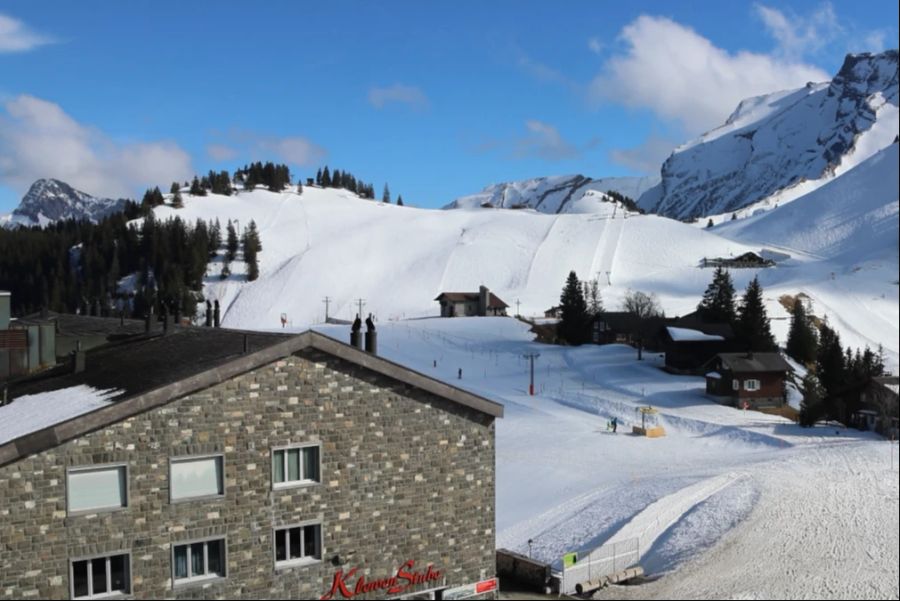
pixel 470 304
pixel 213 463
pixel 690 344
pixel 748 380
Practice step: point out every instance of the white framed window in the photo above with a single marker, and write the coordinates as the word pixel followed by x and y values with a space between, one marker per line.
pixel 735 384
pixel 96 488
pixel 751 385
pixel 198 560
pixel 196 477
pixel 296 465
pixel 99 577
pixel 298 545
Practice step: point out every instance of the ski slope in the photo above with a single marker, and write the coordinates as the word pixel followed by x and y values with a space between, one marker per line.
pixel 329 242
pixel 815 509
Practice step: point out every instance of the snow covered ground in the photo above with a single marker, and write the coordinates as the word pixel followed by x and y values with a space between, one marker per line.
pixel 749 505
pixel 328 242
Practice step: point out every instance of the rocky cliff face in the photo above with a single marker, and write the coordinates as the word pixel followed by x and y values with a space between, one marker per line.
pixel 50 200
pixel 773 142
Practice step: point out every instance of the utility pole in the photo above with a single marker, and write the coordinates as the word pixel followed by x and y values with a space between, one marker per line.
pixel 361 302
pixel 327 302
pixel 518 313
pixel 608 282
pixel 531 357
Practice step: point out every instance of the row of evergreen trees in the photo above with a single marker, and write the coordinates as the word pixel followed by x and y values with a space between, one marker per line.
pixel 347 181
pixel 76 265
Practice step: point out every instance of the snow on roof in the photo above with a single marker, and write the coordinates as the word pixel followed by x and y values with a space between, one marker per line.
pixel 34 412
pixel 715 375
pixel 688 335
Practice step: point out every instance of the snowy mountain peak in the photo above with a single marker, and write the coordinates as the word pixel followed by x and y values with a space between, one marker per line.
pixel 778 141
pixel 557 194
pixel 51 200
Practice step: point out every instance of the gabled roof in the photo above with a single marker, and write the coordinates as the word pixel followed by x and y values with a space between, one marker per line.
pixel 494 301
pixel 152 371
pixel 753 362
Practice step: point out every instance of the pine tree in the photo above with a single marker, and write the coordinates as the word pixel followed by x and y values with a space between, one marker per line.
pixel 573 324
pixel 811 406
pixel 196 188
pixel 831 369
pixel 319 177
pixel 717 305
pixel 252 246
pixel 177 201
pixel 753 327
pixel 802 341
pixel 386 195
pixel 400 200
pixel 709 224
pixel 176 187
pixel 326 177
pixel 231 244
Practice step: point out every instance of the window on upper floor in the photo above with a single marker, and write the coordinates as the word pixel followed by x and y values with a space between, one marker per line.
pixel 296 465
pixel 297 545
pixel 196 477
pixel 96 488
pixel 195 561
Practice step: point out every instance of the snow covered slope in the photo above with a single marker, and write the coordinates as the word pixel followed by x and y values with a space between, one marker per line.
pixel 558 194
pixel 775 143
pixel 854 215
pixel 50 200
pixel 328 242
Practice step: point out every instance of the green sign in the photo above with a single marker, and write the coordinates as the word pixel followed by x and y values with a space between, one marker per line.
pixel 570 559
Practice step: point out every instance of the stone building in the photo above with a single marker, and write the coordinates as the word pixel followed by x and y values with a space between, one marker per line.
pixel 210 463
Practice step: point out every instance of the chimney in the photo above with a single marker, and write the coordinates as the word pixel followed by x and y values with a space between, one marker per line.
pixel 78 358
pixel 484 296
pixel 216 314
pixel 4 396
pixel 355 339
pixel 371 336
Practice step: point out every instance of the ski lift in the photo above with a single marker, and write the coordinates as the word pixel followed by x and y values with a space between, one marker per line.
pixel 649 423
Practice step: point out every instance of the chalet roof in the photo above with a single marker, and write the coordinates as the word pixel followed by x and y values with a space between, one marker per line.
pixel 494 301
pixel 68 324
pixel 753 362
pixel 692 321
pixel 142 373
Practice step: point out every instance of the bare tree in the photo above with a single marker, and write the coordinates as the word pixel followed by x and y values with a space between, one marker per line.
pixel 642 304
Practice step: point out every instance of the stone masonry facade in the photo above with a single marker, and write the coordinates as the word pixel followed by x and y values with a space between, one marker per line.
pixel 406 475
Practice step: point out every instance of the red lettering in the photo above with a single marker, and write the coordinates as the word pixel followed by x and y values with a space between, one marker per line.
pixel 392 584
pixel 338 585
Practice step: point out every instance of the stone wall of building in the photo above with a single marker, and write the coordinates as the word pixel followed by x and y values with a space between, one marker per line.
pixel 405 476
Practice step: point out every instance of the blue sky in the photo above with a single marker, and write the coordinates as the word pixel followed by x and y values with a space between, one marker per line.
pixel 438 99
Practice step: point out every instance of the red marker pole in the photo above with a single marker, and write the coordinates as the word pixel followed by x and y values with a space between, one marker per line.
pixel 531 357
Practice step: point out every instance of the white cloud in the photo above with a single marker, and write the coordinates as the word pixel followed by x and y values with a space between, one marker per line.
pixel 647 158
pixel 404 94
pixel 38 139
pixel 542 141
pixel 595 45
pixel 221 152
pixel 799 36
pixel 683 78
pixel 294 150
pixel 15 36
